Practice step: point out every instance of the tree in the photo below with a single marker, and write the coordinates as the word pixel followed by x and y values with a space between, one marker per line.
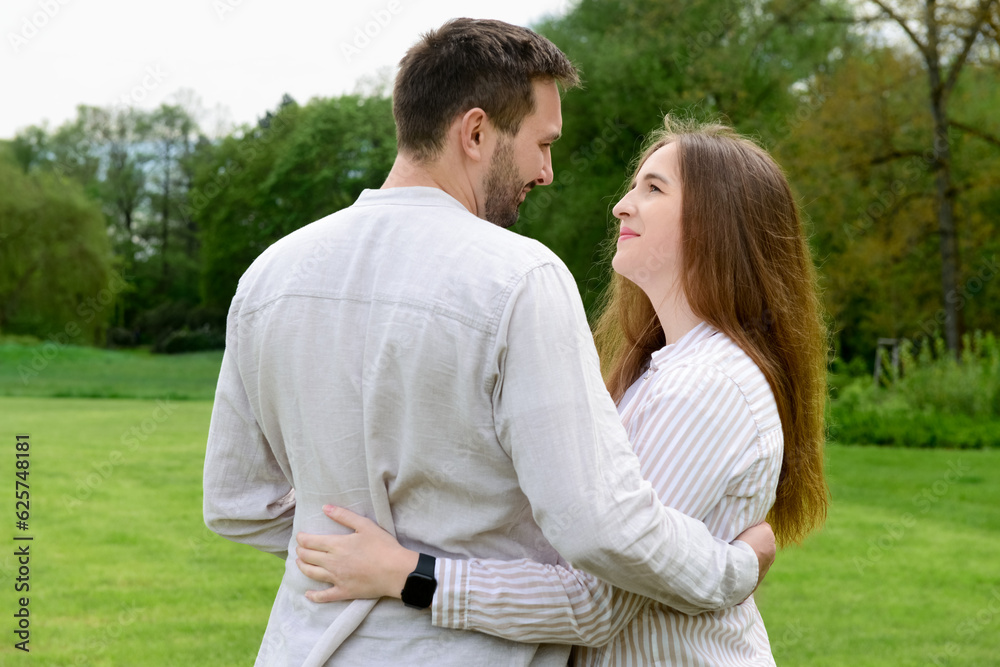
pixel 860 164
pixel 29 147
pixel 299 165
pixel 172 132
pixel 946 35
pixel 118 139
pixel 640 60
pixel 56 275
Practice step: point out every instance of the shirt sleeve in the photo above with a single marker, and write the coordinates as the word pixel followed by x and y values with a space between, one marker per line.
pixel 247 497
pixel 530 602
pixel 731 483
pixel 578 470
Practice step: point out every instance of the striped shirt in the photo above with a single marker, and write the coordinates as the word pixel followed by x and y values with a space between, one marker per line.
pixel 705 426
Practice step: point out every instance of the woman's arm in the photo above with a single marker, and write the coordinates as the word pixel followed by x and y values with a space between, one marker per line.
pixel 520 600
pixel 528 601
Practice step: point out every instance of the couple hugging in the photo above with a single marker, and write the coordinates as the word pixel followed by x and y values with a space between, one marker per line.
pixel 412 404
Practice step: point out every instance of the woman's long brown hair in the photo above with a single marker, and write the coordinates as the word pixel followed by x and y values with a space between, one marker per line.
pixel 748 272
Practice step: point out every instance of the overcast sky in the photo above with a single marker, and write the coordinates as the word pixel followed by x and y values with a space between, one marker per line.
pixel 238 56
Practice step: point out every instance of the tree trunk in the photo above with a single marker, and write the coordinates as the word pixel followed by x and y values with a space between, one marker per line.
pixel 945 194
pixel 165 212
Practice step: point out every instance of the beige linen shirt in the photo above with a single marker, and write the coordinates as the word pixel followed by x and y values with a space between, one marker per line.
pixel 411 362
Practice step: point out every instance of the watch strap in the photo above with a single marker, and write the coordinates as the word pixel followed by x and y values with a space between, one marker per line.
pixel 425 565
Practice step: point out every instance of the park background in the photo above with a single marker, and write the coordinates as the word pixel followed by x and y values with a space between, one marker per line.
pixel 124 230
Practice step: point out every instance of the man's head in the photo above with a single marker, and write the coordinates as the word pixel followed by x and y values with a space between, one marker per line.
pixel 468 63
pixel 485 93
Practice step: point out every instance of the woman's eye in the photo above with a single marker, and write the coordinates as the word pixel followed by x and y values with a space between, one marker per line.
pixel 653 188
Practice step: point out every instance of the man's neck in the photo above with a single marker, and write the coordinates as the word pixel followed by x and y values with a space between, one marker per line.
pixel 407 173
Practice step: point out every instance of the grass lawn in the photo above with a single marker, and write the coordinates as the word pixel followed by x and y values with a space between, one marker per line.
pixel 86 372
pixel 906 571
pixel 123 572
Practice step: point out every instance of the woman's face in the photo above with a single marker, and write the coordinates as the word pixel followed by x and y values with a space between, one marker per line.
pixel 649 241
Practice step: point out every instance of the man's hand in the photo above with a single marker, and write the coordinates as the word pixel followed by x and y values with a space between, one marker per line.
pixel 761 539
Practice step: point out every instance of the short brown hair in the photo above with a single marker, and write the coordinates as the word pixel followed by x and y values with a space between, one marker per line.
pixel 469 63
pixel 748 272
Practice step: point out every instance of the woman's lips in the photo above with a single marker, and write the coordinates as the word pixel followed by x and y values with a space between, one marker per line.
pixel 626 233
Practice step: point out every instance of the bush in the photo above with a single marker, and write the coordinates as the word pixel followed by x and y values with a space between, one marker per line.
pixel 119 337
pixel 933 401
pixel 186 340
pixel 206 316
pixel 156 324
pixel 934 380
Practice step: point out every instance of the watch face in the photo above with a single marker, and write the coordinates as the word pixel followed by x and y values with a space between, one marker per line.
pixel 419 591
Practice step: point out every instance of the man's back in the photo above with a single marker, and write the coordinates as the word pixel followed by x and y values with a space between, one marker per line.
pixel 371 345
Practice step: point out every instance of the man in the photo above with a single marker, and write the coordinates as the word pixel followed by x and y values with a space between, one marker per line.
pixel 409 359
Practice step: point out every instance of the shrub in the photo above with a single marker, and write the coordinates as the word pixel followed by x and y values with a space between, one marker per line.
pixel 186 340
pixel 119 337
pixel 156 324
pixel 933 401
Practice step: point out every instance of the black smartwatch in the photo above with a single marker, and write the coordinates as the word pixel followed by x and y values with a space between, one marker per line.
pixel 421 584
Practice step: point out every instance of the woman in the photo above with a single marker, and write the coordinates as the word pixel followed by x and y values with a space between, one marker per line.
pixel 713 347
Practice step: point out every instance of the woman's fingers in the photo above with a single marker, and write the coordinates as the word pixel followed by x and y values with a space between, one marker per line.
pixel 311 556
pixel 332 594
pixel 368 563
pixel 323 543
pixel 346 517
pixel 315 572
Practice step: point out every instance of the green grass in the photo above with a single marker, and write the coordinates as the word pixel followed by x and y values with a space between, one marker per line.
pixel 124 572
pixel 84 372
pixel 906 571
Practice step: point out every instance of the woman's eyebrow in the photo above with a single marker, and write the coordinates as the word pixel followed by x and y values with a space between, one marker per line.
pixel 653 176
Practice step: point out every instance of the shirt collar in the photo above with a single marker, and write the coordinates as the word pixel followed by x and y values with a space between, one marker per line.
pixel 408 196
pixel 700 332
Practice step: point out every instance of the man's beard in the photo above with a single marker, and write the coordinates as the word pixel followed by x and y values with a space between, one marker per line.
pixel 503 190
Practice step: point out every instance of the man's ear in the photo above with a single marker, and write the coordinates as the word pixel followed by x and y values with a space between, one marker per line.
pixel 474 131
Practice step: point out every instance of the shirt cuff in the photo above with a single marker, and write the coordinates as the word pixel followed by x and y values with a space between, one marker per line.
pixel 746 571
pixel 450 603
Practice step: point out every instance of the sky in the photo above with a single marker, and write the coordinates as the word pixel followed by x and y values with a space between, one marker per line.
pixel 232 59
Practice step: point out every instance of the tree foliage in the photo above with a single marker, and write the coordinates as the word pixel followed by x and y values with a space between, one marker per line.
pixel 302 164
pixel 733 60
pixel 863 166
pixel 56 276
pixel 946 36
pixel 875 144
